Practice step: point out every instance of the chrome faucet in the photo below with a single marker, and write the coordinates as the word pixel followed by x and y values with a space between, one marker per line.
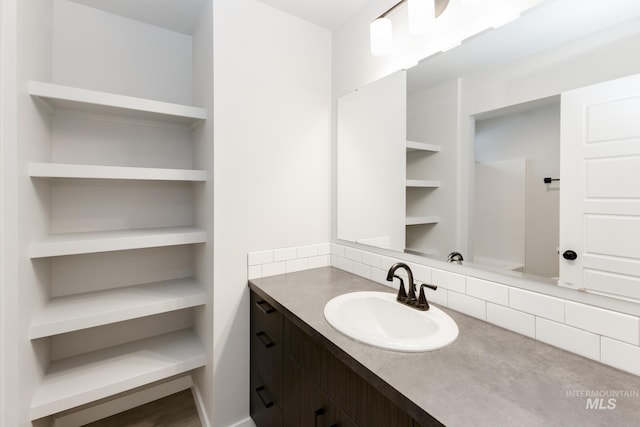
pixel 419 303
pixel 455 257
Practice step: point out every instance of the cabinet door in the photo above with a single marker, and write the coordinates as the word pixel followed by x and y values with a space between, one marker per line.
pixel 305 404
pixel 600 196
pixel 360 400
pixel 304 350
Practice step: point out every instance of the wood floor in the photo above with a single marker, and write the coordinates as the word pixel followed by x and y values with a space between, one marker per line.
pixel 177 410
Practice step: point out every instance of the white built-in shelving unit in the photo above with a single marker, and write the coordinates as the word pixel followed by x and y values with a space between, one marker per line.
pixel 431 167
pixel 92 376
pixel 87 310
pixel 420 220
pixel 62 97
pixel 114 202
pixel 417 216
pixel 114 240
pixel 423 183
pixel 80 379
pixel 422 146
pixel 71 171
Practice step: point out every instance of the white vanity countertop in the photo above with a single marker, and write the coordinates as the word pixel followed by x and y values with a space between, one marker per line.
pixel 488 377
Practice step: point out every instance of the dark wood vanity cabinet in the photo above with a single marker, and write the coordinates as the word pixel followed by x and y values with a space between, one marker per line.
pixel 297 382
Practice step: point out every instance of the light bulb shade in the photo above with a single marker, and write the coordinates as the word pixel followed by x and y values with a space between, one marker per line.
pixel 381 36
pixel 422 13
pixel 471 3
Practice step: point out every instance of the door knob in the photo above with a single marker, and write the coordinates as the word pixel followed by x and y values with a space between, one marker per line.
pixel 569 255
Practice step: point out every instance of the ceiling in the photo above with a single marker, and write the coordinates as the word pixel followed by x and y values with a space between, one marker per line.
pixel 179 16
pixel 330 14
pixel 550 24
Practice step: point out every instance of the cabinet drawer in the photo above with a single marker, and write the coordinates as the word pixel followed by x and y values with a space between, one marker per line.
pixel 265 318
pixel 264 411
pixel 266 365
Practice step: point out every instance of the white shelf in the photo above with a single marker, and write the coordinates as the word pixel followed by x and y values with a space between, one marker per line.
pixel 91 101
pixel 419 220
pixel 72 313
pixel 88 377
pixel 61 170
pixel 423 183
pixel 118 240
pixel 422 146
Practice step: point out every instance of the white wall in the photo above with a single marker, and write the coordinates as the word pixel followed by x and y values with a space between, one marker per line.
pixel 272 114
pixel 136 47
pixel 8 353
pixel 202 69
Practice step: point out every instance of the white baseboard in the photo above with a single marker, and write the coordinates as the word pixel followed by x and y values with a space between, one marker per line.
pixel 200 406
pixel 247 422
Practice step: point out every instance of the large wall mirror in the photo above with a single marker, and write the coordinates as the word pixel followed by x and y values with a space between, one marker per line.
pixel 519 149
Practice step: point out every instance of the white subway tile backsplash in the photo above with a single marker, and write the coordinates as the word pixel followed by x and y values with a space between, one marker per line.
pixel 337 249
pixel 294 265
pixel 439 297
pixel 453 282
pixel 344 264
pixel 306 251
pixel 353 254
pixel 319 261
pixel 380 276
pixel 467 305
pixel 361 269
pixel 574 340
pixel 273 269
pixel 386 262
pixel 284 254
pixel 422 273
pixel 254 271
pixel 537 304
pixel 604 322
pixel 334 260
pixel 513 320
pixel 324 249
pixel 372 260
pixel 262 257
pixel 620 355
pixel 488 291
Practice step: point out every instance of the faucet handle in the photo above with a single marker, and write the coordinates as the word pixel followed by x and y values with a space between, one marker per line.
pixel 432 287
pixel 423 304
pixel 402 293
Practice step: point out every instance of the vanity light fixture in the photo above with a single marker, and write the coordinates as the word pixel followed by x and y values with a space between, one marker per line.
pixel 381 36
pixel 422 13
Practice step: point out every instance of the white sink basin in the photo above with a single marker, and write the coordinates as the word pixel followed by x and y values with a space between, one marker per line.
pixel 377 319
